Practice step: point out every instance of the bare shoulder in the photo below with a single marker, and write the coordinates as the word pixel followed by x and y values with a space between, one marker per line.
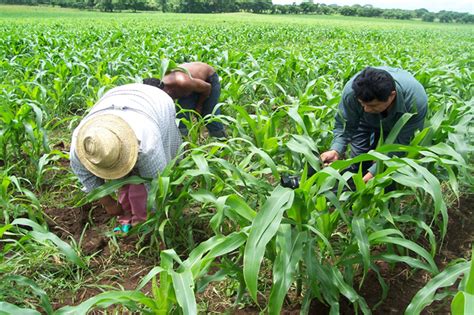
pixel 181 78
pixel 198 70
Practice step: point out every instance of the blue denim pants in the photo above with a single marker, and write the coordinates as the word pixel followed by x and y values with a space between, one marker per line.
pixel 216 129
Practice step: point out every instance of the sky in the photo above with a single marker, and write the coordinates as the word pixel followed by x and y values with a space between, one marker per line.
pixel 430 5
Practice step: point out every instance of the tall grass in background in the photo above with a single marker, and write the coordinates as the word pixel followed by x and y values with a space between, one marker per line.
pixel 281 83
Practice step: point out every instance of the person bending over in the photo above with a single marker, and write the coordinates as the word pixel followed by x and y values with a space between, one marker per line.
pixel 199 90
pixel 374 98
pixel 131 130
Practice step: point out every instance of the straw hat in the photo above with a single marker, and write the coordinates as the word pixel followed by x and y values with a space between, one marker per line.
pixel 107 146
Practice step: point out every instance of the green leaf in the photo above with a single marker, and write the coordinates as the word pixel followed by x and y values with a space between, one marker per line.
pixel 433 187
pixel 184 289
pixel 462 302
pixel 240 207
pixel 359 229
pixel 392 136
pixel 268 160
pixel 204 196
pixel 43 296
pixel 215 246
pixel 410 261
pixel 263 228
pixel 320 281
pixel 109 188
pixel 5 228
pixel 382 233
pixel 425 296
pixel 164 67
pixel 411 246
pixel 347 290
pixel 40 234
pixel 106 299
pixel 229 243
pixel 306 146
pixel 457 304
pixel 150 275
pixel 289 252
pixel 11 309
pixel 470 280
pixel 293 113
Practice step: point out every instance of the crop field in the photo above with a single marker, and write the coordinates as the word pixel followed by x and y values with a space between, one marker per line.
pixel 226 237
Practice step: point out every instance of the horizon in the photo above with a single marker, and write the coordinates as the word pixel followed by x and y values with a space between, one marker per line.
pixel 434 6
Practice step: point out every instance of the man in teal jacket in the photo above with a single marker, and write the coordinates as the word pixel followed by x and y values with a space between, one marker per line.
pixel 373 101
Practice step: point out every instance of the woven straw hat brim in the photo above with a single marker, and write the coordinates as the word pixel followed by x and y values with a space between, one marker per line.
pixel 129 146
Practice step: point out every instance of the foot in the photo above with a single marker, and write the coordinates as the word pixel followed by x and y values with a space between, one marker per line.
pixel 123 229
pixel 219 134
pixel 184 131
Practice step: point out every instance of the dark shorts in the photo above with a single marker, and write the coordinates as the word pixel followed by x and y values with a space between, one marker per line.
pixel 208 107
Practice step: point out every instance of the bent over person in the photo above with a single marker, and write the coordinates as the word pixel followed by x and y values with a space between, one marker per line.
pixel 131 130
pixel 372 102
pixel 199 90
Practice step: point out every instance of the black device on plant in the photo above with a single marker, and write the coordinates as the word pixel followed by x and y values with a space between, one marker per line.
pixel 293 181
pixel 289 181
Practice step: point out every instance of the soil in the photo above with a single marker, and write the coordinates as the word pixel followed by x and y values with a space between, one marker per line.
pixel 117 262
pixel 74 221
pixel 404 282
pixel 114 263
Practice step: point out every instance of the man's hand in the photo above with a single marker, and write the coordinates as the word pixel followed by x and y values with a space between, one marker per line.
pixel 111 205
pixel 368 177
pixel 328 157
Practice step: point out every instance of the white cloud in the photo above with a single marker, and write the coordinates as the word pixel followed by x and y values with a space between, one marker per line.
pixel 431 5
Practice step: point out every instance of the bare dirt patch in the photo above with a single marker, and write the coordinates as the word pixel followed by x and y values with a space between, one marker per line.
pixel 115 263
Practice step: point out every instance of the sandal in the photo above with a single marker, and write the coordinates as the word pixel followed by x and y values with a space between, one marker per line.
pixel 123 229
pixel 126 228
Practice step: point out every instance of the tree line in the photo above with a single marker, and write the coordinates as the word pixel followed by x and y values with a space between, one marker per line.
pixel 254 6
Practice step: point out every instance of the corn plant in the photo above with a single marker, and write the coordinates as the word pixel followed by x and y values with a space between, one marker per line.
pixel 462 301
pixel 16 199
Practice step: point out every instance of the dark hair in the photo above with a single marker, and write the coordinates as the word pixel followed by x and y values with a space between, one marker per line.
pixel 373 84
pixel 154 82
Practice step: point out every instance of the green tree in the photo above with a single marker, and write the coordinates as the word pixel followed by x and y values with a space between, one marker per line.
pixel 348 11
pixel 105 5
pixel 136 5
pixel 369 11
pixel 163 5
pixel 445 17
pixel 428 17
pixel 468 18
pixel 260 6
pixel 294 9
pixel 421 12
pixel 307 7
pixel 397 14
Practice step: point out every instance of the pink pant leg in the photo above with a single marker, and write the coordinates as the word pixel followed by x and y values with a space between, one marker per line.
pixel 137 196
pixel 123 198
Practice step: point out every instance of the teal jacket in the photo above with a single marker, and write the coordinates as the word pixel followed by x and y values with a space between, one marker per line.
pixel 411 98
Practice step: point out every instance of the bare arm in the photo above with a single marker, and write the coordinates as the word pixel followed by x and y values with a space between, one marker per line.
pixel 199 86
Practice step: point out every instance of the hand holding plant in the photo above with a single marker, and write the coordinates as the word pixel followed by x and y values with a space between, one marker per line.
pixel 329 156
